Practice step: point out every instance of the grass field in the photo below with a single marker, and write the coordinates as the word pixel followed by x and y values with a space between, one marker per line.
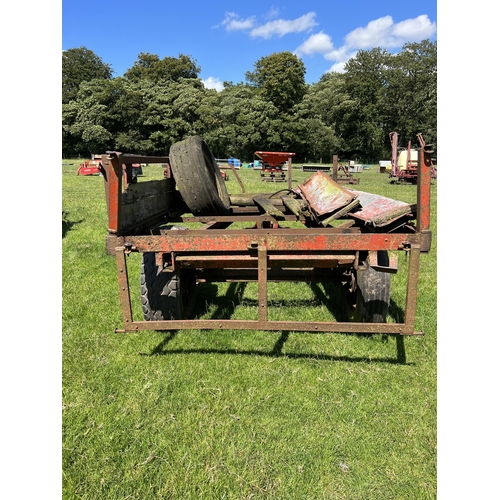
pixel 239 414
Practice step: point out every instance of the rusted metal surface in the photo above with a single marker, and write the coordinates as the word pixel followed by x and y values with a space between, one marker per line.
pixel 324 195
pixel 274 158
pixel 266 251
pixel 291 326
pixel 424 191
pixel 262 322
pixel 273 163
pixel 282 240
pixel 378 210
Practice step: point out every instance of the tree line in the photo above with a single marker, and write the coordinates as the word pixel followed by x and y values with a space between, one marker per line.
pixel 161 101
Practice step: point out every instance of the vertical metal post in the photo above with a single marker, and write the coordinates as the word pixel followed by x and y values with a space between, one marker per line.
pixel 114 181
pixel 121 264
pixel 412 286
pixel 262 277
pixel 423 190
pixel 394 156
pixel 289 161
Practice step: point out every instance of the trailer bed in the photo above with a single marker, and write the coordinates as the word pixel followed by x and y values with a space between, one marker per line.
pixel 252 242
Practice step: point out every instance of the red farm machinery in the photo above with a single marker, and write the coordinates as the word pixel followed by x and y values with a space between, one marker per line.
pixel 92 167
pixel 274 165
pixel 404 161
pixel 190 231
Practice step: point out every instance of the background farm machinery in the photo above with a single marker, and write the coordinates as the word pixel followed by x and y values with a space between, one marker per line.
pixel 274 165
pixel 404 161
pixel 339 172
pixel 92 167
pixel 191 231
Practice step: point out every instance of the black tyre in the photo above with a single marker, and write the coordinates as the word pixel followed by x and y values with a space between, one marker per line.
pixel 368 295
pixel 198 177
pixel 166 295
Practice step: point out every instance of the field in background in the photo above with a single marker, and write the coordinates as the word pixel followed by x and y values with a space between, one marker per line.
pixel 239 414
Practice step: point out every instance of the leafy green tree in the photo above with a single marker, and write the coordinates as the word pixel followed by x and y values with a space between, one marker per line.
pixel 176 110
pixel 88 126
pixel 160 102
pixel 410 100
pixel 81 65
pixel 150 66
pixel 325 108
pixel 366 85
pixel 280 78
pixel 245 122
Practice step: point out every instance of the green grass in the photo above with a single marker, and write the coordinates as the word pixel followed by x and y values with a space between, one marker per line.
pixel 239 414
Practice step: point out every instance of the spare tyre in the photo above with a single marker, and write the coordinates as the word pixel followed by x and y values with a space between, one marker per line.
pixel 198 177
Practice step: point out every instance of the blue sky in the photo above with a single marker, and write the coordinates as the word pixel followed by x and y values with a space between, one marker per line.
pixel 227 38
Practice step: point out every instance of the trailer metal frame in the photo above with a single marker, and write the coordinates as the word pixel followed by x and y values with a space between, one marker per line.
pixel 268 252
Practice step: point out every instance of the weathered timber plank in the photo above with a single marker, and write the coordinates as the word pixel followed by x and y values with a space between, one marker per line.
pixel 268 207
pixel 241 200
pixel 293 205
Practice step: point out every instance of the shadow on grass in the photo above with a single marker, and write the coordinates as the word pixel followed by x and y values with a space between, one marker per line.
pixel 276 352
pixel 67 224
pixel 226 304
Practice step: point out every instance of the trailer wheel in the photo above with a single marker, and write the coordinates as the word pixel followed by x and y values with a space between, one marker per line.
pixel 198 177
pixel 368 295
pixel 166 295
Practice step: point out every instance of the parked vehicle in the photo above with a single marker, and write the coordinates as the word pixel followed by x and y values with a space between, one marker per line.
pixel 348 238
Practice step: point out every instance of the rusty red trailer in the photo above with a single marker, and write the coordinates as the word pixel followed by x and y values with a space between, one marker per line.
pixel 345 237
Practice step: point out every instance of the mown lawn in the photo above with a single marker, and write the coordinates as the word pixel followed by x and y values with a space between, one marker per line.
pixel 239 414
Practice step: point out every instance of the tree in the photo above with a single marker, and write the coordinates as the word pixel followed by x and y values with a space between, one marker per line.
pixel 244 122
pixel 410 101
pixel 150 66
pixel 280 78
pixel 160 102
pixel 325 109
pixel 88 126
pixel 366 85
pixel 81 65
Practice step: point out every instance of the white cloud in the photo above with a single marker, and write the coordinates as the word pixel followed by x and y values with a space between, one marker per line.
pixel 382 32
pixel 233 22
pixel 213 83
pixel 281 27
pixel 415 30
pixel 371 35
pixel 273 12
pixel 278 27
pixel 318 43
pixel 337 68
